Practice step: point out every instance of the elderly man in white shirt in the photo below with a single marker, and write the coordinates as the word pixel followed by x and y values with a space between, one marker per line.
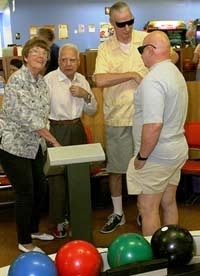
pixel 70 96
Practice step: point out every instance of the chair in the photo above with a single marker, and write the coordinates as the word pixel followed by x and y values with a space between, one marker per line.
pixel 192 166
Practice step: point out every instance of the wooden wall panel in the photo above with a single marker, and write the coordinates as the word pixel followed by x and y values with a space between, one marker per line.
pixel 1 100
pixel 194 101
pixel 96 122
pixel 8 60
pixel 193 113
pixel 82 67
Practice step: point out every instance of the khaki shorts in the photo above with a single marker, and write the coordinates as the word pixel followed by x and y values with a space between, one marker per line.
pixel 119 148
pixel 152 178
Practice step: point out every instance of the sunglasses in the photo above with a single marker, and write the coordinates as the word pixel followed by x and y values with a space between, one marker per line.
pixel 141 48
pixel 123 24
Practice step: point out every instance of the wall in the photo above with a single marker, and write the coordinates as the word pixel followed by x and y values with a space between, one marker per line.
pixel 6 28
pixel 1 34
pixel 41 12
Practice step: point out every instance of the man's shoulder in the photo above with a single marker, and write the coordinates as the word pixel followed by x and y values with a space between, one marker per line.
pixel 81 77
pixel 54 51
pixel 51 75
pixel 55 46
pixel 108 43
pixel 139 35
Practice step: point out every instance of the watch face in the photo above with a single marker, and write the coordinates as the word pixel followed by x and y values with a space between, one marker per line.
pixel 89 97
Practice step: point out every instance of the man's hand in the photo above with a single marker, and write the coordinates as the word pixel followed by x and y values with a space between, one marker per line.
pixel 139 164
pixel 137 77
pixel 77 91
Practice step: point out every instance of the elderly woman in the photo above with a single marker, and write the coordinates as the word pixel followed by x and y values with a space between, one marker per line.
pixel 25 113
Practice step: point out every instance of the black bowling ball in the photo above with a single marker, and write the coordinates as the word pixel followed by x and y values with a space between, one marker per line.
pixel 173 243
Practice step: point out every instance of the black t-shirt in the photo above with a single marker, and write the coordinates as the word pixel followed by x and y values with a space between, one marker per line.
pixel 52 64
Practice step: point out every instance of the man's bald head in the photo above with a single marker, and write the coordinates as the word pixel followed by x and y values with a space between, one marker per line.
pixel 160 40
pixel 159 48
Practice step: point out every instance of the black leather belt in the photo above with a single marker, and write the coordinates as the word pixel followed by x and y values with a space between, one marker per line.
pixel 65 122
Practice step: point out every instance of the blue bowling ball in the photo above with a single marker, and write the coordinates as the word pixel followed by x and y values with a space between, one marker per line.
pixel 32 264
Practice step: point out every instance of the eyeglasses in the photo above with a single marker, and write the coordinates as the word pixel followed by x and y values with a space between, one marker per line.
pixel 38 52
pixel 141 48
pixel 123 24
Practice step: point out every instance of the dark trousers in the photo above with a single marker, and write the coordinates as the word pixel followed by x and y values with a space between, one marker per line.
pixel 29 184
pixel 66 135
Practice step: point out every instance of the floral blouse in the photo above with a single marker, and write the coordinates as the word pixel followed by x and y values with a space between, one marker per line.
pixel 25 110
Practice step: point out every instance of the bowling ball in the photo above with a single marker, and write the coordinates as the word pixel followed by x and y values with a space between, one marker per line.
pixel 78 258
pixel 128 248
pixel 32 264
pixel 173 243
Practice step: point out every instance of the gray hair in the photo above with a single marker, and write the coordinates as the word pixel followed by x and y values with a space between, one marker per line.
pixel 118 6
pixel 71 46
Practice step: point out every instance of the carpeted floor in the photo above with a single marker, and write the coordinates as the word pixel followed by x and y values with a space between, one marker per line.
pixel 189 218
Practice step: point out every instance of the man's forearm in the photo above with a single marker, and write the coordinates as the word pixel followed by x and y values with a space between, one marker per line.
pixel 111 79
pixel 149 138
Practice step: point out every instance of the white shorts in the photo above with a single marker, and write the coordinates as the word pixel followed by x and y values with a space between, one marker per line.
pixel 152 178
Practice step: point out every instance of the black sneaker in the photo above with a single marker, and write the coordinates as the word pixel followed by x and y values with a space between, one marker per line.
pixel 113 222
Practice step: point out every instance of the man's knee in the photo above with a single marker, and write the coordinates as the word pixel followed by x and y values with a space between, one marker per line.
pixel 148 204
pixel 169 196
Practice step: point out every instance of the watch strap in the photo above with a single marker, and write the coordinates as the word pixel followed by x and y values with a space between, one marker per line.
pixel 89 96
pixel 139 157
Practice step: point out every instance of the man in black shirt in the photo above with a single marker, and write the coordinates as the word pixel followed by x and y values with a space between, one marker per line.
pixel 48 35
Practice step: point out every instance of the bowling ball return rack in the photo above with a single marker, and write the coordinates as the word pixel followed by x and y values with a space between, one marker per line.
pixel 157 267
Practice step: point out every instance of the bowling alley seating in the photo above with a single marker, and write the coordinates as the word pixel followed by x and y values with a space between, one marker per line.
pixel 192 166
pixel 4 181
pixel 5 186
pixel 185 191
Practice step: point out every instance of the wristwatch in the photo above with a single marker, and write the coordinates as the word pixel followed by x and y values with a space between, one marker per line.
pixel 139 157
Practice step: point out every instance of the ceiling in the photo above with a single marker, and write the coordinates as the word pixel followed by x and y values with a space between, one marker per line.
pixel 3 4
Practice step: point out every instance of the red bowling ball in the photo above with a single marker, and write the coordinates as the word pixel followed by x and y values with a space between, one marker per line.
pixel 78 258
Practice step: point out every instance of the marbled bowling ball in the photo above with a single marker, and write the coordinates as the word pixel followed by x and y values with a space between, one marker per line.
pixel 128 248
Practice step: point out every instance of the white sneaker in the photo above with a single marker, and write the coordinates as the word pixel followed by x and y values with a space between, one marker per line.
pixel 42 237
pixel 25 250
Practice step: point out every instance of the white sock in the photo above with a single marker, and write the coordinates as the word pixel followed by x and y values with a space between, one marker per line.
pixel 117 205
pixel 60 227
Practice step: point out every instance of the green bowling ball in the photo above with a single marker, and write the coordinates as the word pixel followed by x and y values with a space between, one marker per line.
pixel 128 248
